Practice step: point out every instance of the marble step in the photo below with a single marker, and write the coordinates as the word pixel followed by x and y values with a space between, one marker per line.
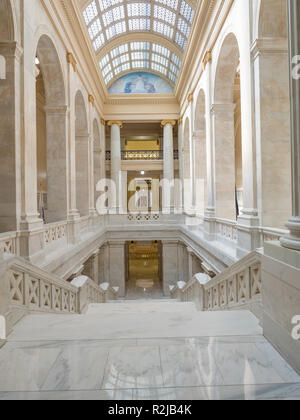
pixel 111 324
pixel 154 306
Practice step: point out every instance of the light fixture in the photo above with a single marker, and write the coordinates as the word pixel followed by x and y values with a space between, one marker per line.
pixel 37 61
pixel 142 172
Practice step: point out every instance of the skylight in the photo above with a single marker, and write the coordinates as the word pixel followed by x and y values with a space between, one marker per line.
pixel 169 19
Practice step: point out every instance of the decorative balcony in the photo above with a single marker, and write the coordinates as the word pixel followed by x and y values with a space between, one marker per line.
pixel 149 155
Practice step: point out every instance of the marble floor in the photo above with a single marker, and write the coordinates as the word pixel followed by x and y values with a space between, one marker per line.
pixel 41 362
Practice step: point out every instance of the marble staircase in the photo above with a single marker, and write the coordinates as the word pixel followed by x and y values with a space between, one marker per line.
pixel 150 349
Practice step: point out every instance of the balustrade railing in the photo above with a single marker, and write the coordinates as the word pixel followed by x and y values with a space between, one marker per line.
pixel 238 286
pixel 25 288
pixel 141 155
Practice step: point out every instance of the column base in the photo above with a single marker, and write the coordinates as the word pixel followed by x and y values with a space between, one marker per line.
pixel 248 234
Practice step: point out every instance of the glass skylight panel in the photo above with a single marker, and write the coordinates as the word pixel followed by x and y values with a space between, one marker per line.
pixel 163 29
pixel 164 14
pixel 140 64
pixel 187 12
pixel 135 46
pixel 172 77
pixel 120 60
pixel 140 55
pixel 158 68
pixel 99 41
pixel 176 60
pixel 160 59
pixel 119 50
pixel 95 28
pixel 161 50
pixel 90 12
pixel 139 24
pixel 174 69
pixel 108 78
pixel 107 19
pixel 183 27
pixel 180 40
pixel 115 30
pixel 139 9
pixel 113 15
pixel 122 68
pixel 104 61
pixel 106 70
pixel 105 4
pixel 171 3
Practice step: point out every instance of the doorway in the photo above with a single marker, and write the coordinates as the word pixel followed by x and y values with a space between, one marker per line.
pixel 144 270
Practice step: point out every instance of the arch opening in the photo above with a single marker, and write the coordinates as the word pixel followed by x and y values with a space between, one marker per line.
pixel 228 133
pixel 51 133
pixel 81 155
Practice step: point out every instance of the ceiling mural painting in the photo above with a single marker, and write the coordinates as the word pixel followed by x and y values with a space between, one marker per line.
pixel 168 21
pixel 140 83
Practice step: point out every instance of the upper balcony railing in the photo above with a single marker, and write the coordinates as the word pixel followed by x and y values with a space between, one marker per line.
pixel 140 155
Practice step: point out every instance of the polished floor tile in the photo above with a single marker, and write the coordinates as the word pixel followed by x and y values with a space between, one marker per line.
pixel 138 367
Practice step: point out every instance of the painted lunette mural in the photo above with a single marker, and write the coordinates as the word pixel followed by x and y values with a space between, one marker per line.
pixel 140 83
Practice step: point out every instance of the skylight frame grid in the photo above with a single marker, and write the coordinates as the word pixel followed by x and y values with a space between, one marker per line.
pixel 170 19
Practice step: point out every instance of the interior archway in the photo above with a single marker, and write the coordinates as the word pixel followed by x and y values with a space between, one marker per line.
pixel 187 167
pixel 200 154
pixel 82 155
pixel 51 133
pixel 97 156
pixel 227 134
pixel 9 199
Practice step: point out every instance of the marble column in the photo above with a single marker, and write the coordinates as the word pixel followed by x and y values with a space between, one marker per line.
pixel 10 142
pixel 210 210
pixel 95 266
pixel 168 181
pixel 82 174
pixel 117 272
pixel 223 120
pixel 56 118
pixel 180 163
pixel 292 241
pixel 199 140
pixel 116 162
pixel 104 264
pixel 190 262
pixel 170 265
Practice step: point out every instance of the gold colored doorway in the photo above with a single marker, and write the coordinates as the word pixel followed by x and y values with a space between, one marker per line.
pixel 144 271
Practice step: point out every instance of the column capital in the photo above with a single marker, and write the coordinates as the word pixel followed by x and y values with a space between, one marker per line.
pixel 71 60
pixel 207 59
pixel 103 122
pixel 111 123
pixel 166 122
pixel 92 99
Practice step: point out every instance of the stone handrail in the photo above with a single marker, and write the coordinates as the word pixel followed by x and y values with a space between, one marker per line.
pixel 227 229
pixel 25 289
pixel 237 287
pixel 54 232
pixel 8 242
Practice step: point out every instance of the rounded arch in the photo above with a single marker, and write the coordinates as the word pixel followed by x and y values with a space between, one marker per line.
pixel 226 100
pixel 7 24
pixel 52 71
pixel 228 62
pixel 82 154
pixel 200 165
pixel 187 166
pixel 51 122
pixel 97 156
pixel 272 19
